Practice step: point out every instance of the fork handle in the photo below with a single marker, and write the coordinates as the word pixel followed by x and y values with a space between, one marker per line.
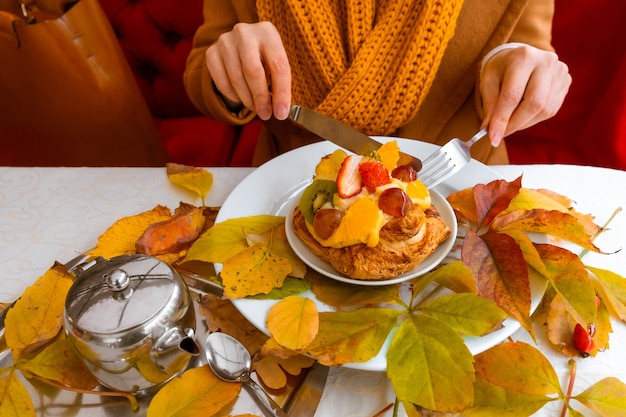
pixel 477 137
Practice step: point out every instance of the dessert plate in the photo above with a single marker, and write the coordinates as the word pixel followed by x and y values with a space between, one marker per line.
pixel 326 269
pixel 272 189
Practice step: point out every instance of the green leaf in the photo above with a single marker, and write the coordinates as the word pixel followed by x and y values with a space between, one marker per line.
pixel 352 336
pixel 606 397
pixel 226 239
pixel 493 401
pixel 430 366
pixel 455 276
pixel 518 367
pixel 466 313
pixel 612 290
pixel 570 278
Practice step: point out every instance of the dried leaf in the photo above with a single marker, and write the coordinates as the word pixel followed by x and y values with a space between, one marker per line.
pixel 352 336
pixel 58 362
pixel 226 239
pixel 272 369
pixel 293 322
pixel 221 315
pixel 14 398
pixel 518 367
pixel 256 270
pixel 465 313
pixel 37 316
pixel 493 198
pixel 172 235
pixel 606 397
pixel 550 222
pixel 120 238
pixel 197 180
pixel 430 366
pixel 501 273
pixel 198 392
pixel 464 205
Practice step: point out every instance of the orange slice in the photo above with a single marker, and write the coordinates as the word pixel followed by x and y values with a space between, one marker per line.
pixel 360 224
pixel 389 153
pixel 418 193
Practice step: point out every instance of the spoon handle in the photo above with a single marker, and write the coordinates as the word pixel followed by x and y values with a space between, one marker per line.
pixel 263 400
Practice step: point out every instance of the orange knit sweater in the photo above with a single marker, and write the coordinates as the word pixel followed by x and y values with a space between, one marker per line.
pixel 369 63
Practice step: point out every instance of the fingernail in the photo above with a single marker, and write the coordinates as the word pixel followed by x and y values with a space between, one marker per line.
pixel 496 139
pixel 282 112
pixel 264 113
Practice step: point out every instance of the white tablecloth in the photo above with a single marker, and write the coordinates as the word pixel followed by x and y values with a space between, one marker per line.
pixel 49 214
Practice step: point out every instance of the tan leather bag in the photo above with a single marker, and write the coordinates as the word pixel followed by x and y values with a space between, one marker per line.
pixel 67 94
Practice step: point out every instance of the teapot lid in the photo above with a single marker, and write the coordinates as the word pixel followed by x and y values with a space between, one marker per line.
pixel 120 293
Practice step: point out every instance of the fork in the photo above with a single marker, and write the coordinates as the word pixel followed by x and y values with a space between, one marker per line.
pixel 448 160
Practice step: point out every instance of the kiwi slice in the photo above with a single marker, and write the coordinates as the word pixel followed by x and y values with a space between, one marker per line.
pixel 315 196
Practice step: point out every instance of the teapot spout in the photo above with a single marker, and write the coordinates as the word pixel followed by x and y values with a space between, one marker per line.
pixel 174 345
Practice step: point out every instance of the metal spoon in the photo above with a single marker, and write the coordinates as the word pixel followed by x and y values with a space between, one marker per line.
pixel 230 361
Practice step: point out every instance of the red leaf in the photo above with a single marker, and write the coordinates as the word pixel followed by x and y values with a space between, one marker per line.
pixel 493 198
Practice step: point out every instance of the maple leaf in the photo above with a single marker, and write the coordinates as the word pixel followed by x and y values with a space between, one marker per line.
pixel 37 316
pixel 198 392
pixel 293 322
pixel 429 365
pixel 197 180
pixel 15 400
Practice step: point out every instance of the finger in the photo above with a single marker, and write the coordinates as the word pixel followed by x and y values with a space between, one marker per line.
pixel 279 74
pixel 219 75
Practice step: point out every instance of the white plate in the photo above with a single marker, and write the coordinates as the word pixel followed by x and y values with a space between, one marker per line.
pixel 271 188
pixel 326 269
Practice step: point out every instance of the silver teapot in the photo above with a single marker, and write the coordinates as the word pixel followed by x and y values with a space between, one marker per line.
pixel 132 320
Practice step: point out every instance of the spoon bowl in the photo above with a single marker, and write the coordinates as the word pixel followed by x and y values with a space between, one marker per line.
pixel 230 361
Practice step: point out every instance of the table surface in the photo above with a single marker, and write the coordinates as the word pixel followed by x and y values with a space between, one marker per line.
pixel 49 214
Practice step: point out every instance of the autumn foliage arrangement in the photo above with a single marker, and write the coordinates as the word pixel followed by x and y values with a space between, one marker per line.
pixel 427 321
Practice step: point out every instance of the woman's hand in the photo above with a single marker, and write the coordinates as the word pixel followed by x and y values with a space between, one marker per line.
pixel 249 65
pixel 521 87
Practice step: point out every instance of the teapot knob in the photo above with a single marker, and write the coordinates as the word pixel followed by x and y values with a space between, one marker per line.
pixel 118 280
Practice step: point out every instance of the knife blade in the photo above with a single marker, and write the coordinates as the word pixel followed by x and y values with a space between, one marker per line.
pixel 341 134
pixel 307 395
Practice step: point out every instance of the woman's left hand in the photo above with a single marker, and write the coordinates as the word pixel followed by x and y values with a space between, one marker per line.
pixel 520 87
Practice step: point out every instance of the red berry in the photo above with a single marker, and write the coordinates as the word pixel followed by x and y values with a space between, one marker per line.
pixel 349 181
pixel 373 174
pixel 582 340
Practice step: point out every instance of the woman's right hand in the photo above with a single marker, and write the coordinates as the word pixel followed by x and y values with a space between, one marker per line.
pixel 249 65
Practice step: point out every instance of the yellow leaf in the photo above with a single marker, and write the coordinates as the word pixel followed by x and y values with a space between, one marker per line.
pixel 120 238
pixel 293 322
pixel 226 239
pixel 339 294
pixel 14 398
pixel 196 180
pixel 455 276
pixel 198 392
pixel 271 369
pixel 352 336
pixel 606 397
pixel 59 362
pixel 277 240
pixel 254 271
pixel 37 316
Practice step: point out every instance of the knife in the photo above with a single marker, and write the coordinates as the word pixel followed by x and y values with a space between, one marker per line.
pixel 343 135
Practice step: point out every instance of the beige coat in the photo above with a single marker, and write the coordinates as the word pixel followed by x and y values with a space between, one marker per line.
pixel 451 107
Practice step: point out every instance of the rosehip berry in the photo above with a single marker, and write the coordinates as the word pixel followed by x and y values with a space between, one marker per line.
pixel 583 340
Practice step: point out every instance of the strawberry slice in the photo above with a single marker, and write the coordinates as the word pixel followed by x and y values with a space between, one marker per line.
pixel 349 181
pixel 373 174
